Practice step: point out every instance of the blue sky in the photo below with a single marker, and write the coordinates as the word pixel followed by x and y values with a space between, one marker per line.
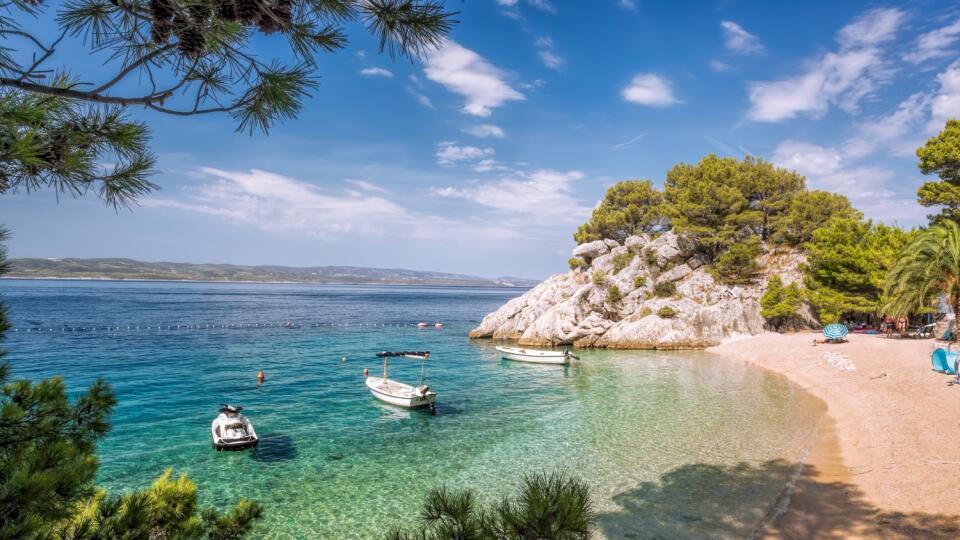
pixel 483 157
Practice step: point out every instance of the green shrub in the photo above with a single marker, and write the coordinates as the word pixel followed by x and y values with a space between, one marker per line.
pixel 666 312
pixel 650 257
pixel 665 289
pixel 576 262
pixel 779 304
pixel 621 261
pixel 645 312
pixel 739 263
pixel 614 296
pixel 599 278
pixel 639 281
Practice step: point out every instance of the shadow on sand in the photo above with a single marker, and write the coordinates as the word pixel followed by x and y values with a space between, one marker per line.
pixel 708 501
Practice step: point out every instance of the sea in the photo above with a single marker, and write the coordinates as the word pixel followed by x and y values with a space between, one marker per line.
pixel 673 444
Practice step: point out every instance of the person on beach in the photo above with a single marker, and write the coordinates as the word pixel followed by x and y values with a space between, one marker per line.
pixel 902 326
pixel 888 326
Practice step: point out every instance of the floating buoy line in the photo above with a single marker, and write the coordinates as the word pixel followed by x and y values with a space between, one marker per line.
pixel 210 326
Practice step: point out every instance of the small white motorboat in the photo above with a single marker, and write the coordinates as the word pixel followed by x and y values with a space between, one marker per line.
pixel 398 393
pixel 232 430
pixel 535 356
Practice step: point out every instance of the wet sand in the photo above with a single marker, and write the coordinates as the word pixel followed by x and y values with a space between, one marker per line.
pixel 886 460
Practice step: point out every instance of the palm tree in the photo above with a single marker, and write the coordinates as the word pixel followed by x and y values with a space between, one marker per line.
pixel 548 507
pixel 927 267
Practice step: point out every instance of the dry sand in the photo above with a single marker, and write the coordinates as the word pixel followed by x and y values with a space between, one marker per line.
pixel 886 463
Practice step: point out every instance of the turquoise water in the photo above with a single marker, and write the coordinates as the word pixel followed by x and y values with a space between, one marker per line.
pixel 335 463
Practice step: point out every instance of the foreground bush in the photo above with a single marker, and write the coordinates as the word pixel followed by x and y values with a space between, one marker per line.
pixel 548 506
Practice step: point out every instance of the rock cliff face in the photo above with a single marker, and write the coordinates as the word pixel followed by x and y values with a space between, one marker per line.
pixel 666 300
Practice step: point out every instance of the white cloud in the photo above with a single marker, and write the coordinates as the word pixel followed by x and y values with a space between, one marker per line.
pixel 550 59
pixel 543 5
pixel 946 102
pixel 842 78
pixel 630 142
pixel 627 4
pixel 719 66
pixel 376 72
pixel 507 3
pixel 466 73
pixel 934 44
pixel 449 153
pixel 542 195
pixel 485 130
pixel 649 89
pixel 826 169
pixel 366 186
pixel 736 39
pixel 276 203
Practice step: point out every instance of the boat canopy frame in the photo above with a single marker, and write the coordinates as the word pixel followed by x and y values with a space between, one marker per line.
pixel 418 355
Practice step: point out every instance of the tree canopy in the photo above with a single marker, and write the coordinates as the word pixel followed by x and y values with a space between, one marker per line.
pixel 629 207
pixel 941 156
pixel 847 263
pixel 780 304
pixel 926 267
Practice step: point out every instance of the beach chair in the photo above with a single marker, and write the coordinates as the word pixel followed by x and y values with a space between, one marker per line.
pixel 944 361
pixel 835 332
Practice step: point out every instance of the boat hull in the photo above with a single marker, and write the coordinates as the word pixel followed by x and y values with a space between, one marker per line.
pixel 399 394
pixel 534 357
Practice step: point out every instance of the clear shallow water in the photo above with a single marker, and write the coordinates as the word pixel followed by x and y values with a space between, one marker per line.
pixel 656 434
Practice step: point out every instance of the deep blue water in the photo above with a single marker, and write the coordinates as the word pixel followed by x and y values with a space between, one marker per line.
pixel 334 462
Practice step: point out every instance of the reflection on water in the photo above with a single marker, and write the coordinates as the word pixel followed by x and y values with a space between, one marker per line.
pixel 334 462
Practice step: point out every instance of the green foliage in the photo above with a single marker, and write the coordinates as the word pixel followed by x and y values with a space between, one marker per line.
pixel 645 312
pixel 639 281
pixel 666 312
pixel 621 261
pixel 58 143
pixel 738 264
pixel 808 211
pixel 168 509
pixel 614 296
pixel 926 268
pixel 847 263
pixel 941 156
pixel 548 506
pixel 599 278
pixel 629 207
pixel 650 257
pixel 665 289
pixel 780 304
pixel 721 201
pixel 576 262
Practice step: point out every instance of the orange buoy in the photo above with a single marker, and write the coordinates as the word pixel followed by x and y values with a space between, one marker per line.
pixel 260 376
pixel 366 373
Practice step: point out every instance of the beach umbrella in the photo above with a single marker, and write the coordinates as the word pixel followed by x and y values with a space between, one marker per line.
pixel 835 331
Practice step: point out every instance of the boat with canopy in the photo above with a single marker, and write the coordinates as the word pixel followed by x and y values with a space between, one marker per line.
pixel 536 356
pixel 398 393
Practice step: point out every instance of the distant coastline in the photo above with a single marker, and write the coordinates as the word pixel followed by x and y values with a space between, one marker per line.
pixel 254 282
pixel 118 269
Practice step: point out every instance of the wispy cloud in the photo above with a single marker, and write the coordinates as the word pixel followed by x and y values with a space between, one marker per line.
pixel 538 195
pixel 366 186
pixel 946 102
pixel 629 142
pixel 450 153
pixel 547 55
pixel 277 203
pixel 376 72
pixel 627 4
pixel 468 74
pixel 651 90
pixel 841 78
pixel 484 131
pixel 935 44
pixel 738 40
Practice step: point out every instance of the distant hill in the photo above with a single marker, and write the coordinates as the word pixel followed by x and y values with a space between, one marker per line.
pixel 131 269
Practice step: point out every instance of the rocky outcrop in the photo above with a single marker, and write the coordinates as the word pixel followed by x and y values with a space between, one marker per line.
pixel 648 293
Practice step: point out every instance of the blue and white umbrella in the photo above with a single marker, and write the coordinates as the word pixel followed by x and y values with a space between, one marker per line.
pixel 835 331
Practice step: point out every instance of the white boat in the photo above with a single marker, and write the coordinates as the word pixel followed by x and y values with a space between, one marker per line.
pixel 232 430
pixel 536 356
pixel 398 393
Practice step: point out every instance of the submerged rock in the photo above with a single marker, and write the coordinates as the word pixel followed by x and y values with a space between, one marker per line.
pixel 571 309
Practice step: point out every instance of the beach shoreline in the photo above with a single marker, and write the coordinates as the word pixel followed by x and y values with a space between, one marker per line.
pixel 884 459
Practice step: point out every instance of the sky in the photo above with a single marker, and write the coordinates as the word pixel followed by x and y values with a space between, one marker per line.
pixel 483 157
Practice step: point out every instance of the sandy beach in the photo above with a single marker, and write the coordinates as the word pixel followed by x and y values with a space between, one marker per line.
pixel 886 463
